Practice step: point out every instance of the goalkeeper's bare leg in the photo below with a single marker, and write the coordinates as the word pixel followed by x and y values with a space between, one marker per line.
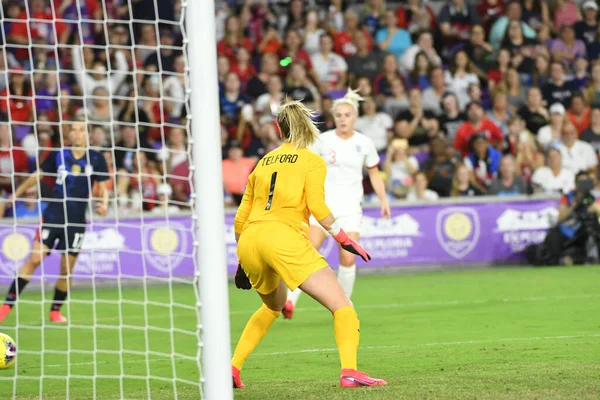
pixel 38 253
pixel 317 237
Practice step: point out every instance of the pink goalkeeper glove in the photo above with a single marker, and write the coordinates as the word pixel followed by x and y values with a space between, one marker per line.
pixel 350 245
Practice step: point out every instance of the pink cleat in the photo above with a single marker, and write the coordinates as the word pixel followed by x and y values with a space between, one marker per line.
pixel 352 378
pixel 237 380
pixel 4 311
pixel 57 317
pixel 288 310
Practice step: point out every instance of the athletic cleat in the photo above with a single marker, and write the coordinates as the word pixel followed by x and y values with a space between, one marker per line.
pixel 57 317
pixel 237 380
pixel 4 311
pixel 352 378
pixel 288 310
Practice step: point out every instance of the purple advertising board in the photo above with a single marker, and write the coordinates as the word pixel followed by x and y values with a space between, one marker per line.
pixel 437 234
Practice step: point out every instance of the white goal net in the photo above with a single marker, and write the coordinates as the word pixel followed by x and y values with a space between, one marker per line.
pixel 132 311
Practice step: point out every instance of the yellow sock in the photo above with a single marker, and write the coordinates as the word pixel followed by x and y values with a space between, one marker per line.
pixel 255 330
pixel 346 329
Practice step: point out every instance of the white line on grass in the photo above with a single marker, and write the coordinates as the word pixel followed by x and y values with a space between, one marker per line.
pixel 333 349
pixel 395 346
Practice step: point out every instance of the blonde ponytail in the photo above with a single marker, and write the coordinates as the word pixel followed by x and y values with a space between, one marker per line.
pixel 352 98
pixel 296 124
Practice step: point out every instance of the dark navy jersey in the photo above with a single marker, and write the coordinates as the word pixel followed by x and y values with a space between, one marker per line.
pixel 75 179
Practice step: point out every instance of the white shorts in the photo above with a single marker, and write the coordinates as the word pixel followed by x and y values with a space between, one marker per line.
pixel 349 222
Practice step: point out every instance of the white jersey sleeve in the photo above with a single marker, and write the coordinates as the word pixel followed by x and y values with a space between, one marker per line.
pixel 372 158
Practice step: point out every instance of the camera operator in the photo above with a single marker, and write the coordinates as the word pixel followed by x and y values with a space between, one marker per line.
pixel 575 239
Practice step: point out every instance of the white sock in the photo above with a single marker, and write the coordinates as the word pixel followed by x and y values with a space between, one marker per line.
pixel 346 276
pixel 293 295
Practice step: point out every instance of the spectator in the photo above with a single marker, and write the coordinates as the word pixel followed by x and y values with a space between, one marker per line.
pixel 313 35
pixel 334 19
pixel 236 169
pixel 98 137
pixel 533 113
pixel 267 105
pixel 13 160
pixel 452 118
pixel 567 48
pixel 592 92
pixel 416 124
pixel 46 99
pixel 232 99
pixel 460 76
pixel 346 41
pixel 577 155
pixel 500 113
pixel 300 87
pixel 258 84
pixel 483 161
pixel 425 45
pixel 382 83
pixel 420 191
pixel 497 74
pixel 550 135
pixel 398 101
pixel 375 125
pixel 271 41
pixel 293 49
pixel 174 89
pixel 592 134
pixel 439 166
pixel 456 18
pixel 508 183
pixel 142 184
pixel 579 113
pixel 223 68
pixel 100 110
pixel 480 51
pixel 517 95
pixel 513 13
pixel 127 147
pixel 331 68
pixel 415 16
pixel 476 123
pixel 325 120
pixel 585 30
pixel 399 167
pixel 30 205
pixel 242 66
pixel 164 60
pixel 535 13
pixel 541 71
pixel 461 183
pixel 432 96
pixel 374 11
pixel 16 99
pixel 528 158
pixel 264 139
pixel 553 178
pixel 566 12
pixel 489 11
pixel 99 77
pixel 164 191
pixel 392 39
pixel 420 75
pixel 295 17
pixel 521 48
pixel 581 77
pixel 364 63
pixel 233 39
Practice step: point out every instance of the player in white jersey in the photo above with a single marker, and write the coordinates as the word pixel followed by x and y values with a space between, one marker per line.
pixel 346 153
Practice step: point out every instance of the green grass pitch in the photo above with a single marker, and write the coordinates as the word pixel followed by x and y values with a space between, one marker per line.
pixel 485 334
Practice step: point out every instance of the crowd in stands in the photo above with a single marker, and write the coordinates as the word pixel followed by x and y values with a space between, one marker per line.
pixel 463 97
pixel 115 64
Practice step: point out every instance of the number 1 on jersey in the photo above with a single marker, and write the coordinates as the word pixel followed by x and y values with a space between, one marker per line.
pixel 271 191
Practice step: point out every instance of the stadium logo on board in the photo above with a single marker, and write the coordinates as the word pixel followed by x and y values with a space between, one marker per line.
pixel 521 228
pixel 167 244
pixel 15 248
pixel 457 230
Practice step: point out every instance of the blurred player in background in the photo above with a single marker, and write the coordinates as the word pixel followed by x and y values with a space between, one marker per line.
pixel 346 152
pixel 76 169
pixel 271 228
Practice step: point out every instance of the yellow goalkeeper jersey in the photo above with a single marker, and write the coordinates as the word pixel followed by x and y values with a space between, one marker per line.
pixel 286 186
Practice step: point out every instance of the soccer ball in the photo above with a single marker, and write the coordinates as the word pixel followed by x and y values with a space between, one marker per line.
pixel 8 351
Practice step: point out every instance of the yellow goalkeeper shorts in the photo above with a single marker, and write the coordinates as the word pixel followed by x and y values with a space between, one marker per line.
pixel 270 251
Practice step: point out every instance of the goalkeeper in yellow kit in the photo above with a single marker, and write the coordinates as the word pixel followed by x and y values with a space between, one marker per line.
pixel 271 228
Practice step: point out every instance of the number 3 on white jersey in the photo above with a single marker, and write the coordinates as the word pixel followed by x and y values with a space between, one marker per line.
pixel 332 156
